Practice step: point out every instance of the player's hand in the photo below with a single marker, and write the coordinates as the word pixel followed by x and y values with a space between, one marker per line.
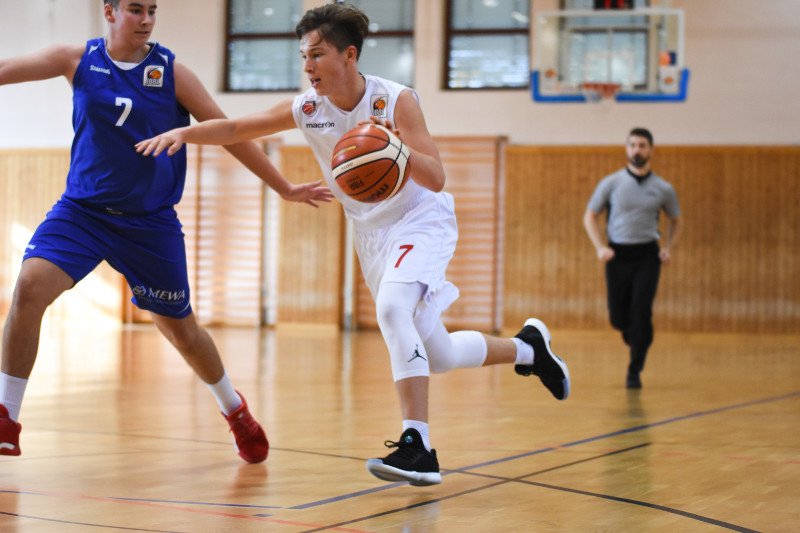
pixel 308 193
pixel 380 122
pixel 605 254
pixel 171 140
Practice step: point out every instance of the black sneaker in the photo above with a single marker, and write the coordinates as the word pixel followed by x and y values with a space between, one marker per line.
pixel 552 371
pixel 633 381
pixel 409 462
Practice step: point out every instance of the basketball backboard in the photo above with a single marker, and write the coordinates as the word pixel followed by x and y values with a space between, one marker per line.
pixel 631 55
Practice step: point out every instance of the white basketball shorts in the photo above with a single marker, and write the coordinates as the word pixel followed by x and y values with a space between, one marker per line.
pixel 416 248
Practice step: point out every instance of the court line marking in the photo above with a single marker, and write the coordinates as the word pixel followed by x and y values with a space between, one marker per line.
pixel 501 481
pixel 551 448
pixel 146 503
pixel 87 524
pixel 463 470
pixel 521 479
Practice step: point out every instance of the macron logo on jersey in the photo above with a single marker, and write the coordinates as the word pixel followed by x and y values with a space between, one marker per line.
pixel 106 71
pixel 320 125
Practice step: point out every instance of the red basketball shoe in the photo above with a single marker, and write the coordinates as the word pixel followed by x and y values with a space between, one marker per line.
pixel 9 434
pixel 248 436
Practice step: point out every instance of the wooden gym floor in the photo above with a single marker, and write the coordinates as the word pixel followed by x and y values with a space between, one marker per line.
pixel 118 435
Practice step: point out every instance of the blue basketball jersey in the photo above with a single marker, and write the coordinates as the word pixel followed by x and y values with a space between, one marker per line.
pixel 113 109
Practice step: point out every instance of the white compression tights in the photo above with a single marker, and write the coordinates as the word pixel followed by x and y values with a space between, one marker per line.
pixel 412 356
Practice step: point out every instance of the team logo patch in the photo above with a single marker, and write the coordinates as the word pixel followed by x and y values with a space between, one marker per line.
pixel 380 103
pixel 154 76
pixel 310 107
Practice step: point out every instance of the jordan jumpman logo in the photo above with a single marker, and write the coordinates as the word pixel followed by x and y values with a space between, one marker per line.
pixel 416 354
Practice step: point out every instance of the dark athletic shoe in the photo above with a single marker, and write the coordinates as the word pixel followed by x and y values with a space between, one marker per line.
pixel 552 371
pixel 409 462
pixel 633 381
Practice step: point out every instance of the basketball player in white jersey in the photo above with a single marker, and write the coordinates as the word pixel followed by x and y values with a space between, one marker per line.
pixel 119 206
pixel 404 243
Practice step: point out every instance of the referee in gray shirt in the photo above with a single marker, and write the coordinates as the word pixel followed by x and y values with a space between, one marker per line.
pixel 633 197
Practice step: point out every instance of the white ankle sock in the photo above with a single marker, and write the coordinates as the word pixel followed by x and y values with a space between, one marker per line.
pixel 226 396
pixel 524 352
pixel 11 392
pixel 422 427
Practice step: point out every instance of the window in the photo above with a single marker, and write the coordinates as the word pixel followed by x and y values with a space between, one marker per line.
pixel 261 46
pixel 388 50
pixel 487 44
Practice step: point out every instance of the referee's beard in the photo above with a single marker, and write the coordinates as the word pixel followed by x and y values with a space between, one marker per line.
pixel 639 161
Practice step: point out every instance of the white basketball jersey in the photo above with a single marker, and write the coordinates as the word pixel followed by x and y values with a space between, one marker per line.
pixel 323 124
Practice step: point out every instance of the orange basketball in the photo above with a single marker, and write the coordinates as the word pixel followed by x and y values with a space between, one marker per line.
pixel 370 163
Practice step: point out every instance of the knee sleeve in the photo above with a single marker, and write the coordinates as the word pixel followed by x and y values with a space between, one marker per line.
pixel 460 349
pixel 395 305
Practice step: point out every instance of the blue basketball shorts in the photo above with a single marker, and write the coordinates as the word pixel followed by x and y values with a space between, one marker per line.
pixel 148 250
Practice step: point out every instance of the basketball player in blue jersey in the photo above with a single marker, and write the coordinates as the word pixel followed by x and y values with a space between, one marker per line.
pixel 404 243
pixel 118 205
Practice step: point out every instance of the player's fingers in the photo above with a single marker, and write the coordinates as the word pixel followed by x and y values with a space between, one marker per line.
pixel 174 147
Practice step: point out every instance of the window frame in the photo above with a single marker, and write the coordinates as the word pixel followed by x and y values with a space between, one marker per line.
pixel 230 37
pixel 450 32
pixel 284 36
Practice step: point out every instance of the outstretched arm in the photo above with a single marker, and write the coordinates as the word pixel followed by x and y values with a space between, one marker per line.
pixel 214 128
pixel 50 62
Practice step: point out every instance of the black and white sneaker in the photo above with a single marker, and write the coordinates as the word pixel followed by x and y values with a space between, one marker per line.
pixel 552 371
pixel 409 462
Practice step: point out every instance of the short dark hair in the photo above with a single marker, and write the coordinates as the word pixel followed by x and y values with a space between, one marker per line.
pixel 340 24
pixel 642 132
pixel 112 3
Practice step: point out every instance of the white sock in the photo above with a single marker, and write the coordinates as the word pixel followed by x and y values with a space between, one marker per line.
pixel 11 392
pixel 422 427
pixel 227 398
pixel 524 352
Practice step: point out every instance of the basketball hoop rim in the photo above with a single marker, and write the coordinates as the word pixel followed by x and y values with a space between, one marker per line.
pixel 599 90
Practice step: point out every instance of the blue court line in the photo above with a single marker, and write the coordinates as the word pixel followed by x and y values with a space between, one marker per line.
pixel 543 450
pixel 637 428
pixel 521 479
pixel 670 510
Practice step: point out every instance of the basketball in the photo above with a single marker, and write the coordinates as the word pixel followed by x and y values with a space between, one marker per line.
pixel 370 163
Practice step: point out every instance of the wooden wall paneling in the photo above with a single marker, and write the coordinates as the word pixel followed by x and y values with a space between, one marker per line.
pixel 310 272
pixel 689 286
pixel 550 266
pixel 222 213
pixel 229 258
pixel 735 267
pixel 31 181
